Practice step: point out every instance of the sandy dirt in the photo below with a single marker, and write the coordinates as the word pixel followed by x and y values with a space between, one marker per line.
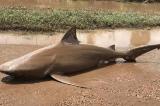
pixel 122 84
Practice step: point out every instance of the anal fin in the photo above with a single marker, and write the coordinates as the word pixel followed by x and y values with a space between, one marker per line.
pixel 64 79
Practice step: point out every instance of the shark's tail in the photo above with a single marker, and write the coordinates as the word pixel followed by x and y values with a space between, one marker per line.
pixel 134 53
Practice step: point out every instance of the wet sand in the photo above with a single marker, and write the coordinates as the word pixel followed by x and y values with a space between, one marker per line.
pixel 129 84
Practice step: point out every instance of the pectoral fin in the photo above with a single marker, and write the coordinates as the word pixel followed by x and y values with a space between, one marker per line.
pixel 65 80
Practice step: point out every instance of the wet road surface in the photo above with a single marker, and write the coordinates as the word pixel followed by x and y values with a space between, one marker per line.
pixel 115 85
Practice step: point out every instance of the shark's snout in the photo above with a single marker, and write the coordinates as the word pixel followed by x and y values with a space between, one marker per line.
pixel 4 70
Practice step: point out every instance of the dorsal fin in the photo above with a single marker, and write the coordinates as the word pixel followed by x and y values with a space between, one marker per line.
pixel 70 37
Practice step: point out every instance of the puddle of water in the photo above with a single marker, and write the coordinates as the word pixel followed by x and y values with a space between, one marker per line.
pixel 82 4
pixel 122 38
pixel 133 38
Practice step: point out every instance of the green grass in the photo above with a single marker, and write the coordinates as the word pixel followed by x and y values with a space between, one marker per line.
pixel 55 20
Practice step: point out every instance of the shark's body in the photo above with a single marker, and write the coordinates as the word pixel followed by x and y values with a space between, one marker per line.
pixel 67 57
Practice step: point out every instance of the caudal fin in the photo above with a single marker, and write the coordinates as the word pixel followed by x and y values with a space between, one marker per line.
pixel 134 53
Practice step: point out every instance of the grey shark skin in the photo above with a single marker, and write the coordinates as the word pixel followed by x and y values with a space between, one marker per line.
pixel 67 57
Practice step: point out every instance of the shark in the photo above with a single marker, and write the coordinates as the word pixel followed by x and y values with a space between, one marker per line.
pixel 67 57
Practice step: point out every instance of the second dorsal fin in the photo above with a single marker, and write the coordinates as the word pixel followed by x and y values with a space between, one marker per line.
pixel 70 37
pixel 112 47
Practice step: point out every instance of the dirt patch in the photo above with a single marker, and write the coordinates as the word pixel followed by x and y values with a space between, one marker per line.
pixel 116 85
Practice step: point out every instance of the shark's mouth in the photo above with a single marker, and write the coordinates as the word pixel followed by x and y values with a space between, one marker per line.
pixel 7 72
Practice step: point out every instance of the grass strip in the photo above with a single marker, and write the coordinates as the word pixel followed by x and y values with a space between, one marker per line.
pixel 54 20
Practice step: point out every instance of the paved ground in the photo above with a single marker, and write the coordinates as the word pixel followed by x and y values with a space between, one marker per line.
pixel 129 84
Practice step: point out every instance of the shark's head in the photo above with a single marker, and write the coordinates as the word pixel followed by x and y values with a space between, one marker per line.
pixel 10 68
pixel 8 72
pixel 6 68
